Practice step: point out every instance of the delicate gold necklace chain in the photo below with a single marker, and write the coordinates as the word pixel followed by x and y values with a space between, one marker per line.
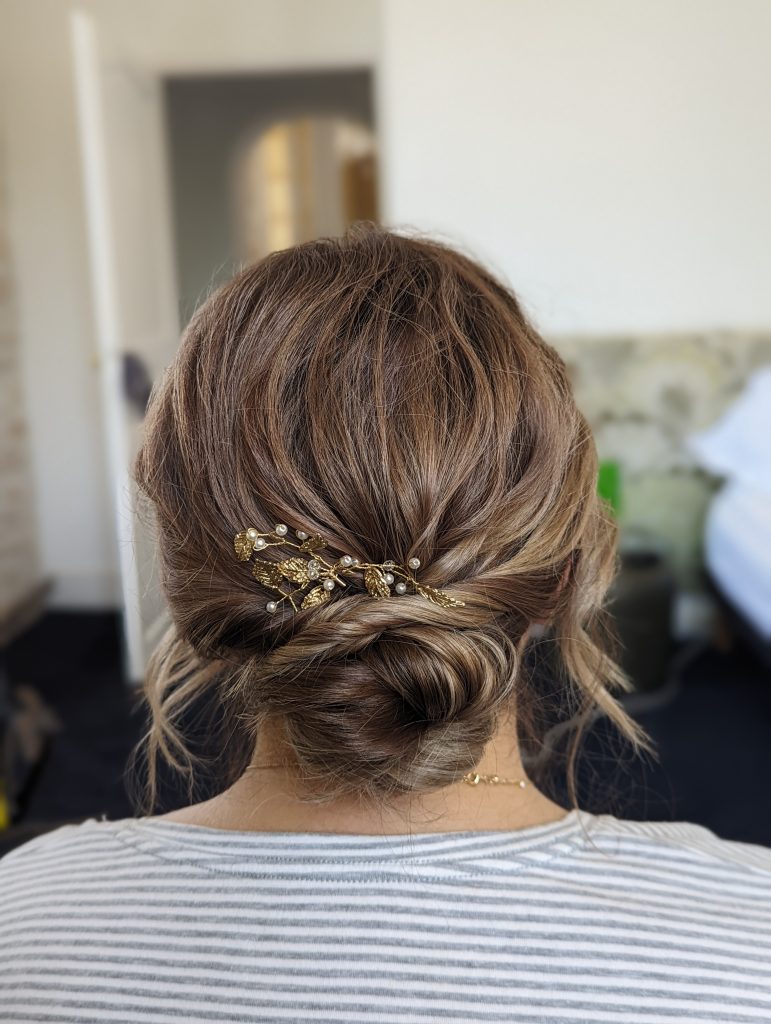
pixel 474 778
pixel 470 778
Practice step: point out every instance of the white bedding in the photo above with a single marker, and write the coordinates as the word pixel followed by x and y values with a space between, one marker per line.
pixel 738 551
pixel 738 446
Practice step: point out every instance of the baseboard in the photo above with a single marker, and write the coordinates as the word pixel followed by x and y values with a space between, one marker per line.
pixel 98 591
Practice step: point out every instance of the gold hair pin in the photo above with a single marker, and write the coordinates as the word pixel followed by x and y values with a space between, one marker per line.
pixel 323 576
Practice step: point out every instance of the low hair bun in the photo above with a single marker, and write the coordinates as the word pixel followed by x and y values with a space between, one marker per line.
pixel 383 698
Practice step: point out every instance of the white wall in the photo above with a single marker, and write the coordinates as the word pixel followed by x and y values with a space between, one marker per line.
pixel 611 157
pixel 57 350
pixel 48 228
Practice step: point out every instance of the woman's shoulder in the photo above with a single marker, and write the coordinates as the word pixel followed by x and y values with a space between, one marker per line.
pixel 664 849
pixel 62 843
pixel 681 848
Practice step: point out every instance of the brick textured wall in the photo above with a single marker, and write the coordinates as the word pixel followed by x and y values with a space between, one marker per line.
pixel 19 566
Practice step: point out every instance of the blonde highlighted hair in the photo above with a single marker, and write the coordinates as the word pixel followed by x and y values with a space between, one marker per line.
pixel 388 393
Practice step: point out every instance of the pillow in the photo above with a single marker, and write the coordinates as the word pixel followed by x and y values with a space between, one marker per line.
pixel 738 446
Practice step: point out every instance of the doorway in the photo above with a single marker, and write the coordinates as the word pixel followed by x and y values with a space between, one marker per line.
pixel 259 162
pixel 187 177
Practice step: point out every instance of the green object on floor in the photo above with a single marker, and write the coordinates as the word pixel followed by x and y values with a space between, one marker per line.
pixel 609 484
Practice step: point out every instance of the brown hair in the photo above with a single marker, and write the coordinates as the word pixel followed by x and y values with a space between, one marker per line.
pixel 389 394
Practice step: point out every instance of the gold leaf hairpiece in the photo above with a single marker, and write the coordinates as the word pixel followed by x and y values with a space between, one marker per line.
pixel 324 576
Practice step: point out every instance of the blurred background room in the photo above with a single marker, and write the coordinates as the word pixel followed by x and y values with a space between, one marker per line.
pixel 611 159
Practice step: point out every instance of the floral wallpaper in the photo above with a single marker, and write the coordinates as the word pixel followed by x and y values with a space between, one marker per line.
pixel 643 396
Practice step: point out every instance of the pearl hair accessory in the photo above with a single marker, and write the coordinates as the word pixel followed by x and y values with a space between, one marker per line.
pixel 324 576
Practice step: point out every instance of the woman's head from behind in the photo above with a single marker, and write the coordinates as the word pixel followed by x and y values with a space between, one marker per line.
pixel 388 394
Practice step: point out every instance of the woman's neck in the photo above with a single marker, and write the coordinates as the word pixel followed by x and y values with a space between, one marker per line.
pixel 266 800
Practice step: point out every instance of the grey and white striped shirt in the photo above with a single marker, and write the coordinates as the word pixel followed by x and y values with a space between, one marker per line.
pixel 590 918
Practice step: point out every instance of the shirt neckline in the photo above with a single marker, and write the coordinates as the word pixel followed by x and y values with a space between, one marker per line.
pixel 265 853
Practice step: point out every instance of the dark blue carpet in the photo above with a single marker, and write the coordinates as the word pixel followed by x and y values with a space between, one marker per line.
pixel 711 723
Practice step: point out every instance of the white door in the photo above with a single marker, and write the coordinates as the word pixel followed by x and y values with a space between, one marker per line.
pixel 125 178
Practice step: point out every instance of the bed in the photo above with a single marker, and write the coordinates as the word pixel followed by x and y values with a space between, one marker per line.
pixel 737 554
pixel 737 539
